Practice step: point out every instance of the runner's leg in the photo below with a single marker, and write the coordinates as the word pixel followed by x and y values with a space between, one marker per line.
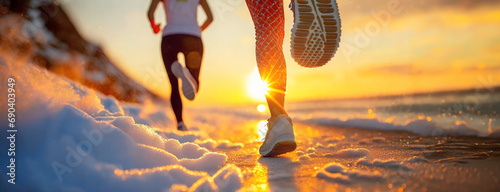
pixel 192 48
pixel 169 52
pixel 268 19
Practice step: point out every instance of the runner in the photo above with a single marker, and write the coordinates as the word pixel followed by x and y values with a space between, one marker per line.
pixel 182 34
pixel 315 39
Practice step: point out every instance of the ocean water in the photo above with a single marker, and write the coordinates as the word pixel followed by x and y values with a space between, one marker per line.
pixel 467 113
pixel 475 109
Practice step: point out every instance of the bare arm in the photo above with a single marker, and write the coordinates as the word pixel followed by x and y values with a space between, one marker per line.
pixel 151 16
pixel 152 8
pixel 208 12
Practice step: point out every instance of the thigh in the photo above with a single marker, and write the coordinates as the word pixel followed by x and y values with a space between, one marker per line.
pixel 192 48
pixel 169 51
pixel 266 14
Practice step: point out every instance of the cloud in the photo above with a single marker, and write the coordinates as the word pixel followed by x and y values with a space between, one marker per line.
pixel 458 4
pixel 422 70
pixel 482 67
pixel 348 7
pixel 405 14
pixel 400 70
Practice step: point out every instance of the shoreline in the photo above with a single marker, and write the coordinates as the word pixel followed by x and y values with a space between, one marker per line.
pixel 412 162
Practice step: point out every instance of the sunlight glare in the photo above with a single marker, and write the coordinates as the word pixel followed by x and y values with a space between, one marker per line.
pixel 262 129
pixel 256 88
pixel 261 108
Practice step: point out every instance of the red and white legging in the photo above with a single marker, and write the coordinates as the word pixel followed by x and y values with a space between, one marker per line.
pixel 268 18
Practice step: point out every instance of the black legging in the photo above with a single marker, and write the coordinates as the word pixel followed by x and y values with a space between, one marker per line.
pixel 171 45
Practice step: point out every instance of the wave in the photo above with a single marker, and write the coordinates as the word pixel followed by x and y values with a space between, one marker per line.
pixel 424 127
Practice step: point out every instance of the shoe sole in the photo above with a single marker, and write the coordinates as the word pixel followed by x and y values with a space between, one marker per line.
pixel 316 32
pixel 188 86
pixel 281 148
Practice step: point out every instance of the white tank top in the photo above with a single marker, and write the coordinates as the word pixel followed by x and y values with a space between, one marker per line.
pixel 181 17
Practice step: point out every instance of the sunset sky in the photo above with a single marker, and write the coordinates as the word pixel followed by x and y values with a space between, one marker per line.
pixel 387 47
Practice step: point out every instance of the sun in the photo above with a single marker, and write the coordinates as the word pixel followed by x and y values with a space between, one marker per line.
pixel 256 88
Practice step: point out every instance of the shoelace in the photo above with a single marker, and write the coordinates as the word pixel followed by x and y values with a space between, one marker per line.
pixel 267 131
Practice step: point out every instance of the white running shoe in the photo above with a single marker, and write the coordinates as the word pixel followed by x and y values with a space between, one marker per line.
pixel 189 85
pixel 279 137
pixel 315 32
pixel 181 127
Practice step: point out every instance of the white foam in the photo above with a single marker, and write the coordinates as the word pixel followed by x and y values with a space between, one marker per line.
pixel 335 177
pixel 422 127
pixel 311 150
pixel 391 164
pixel 417 159
pixel 350 153
pixel 334 168
pixel 304 158
pixel 338 173
pixel 365 175
pixel 299 153
pixel 329 146
pixel 73 136
pixel 148 113
pixel 229 178
pixel 219 144
pixel 181 136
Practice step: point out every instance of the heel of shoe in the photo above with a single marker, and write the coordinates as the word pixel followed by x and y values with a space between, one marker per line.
pixel 176 68
pixel 282 148
pixel 189 87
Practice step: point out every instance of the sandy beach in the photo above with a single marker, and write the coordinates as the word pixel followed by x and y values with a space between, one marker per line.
pixel 406 162
pixel 409 103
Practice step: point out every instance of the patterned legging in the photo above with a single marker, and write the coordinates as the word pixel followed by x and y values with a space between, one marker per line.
pixel 268 18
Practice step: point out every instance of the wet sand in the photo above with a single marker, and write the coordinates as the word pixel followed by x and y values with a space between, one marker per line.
pixel 395 161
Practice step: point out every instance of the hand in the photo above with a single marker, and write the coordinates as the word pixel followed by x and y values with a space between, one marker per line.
pixel 156 27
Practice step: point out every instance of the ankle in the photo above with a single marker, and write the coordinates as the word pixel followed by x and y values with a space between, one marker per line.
pixel 274 116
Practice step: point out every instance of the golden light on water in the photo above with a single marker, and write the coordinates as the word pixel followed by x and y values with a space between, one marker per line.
pixel 371 114
pixel 261 108
pixel 262 129
pixel 256 88
pixel 260 177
